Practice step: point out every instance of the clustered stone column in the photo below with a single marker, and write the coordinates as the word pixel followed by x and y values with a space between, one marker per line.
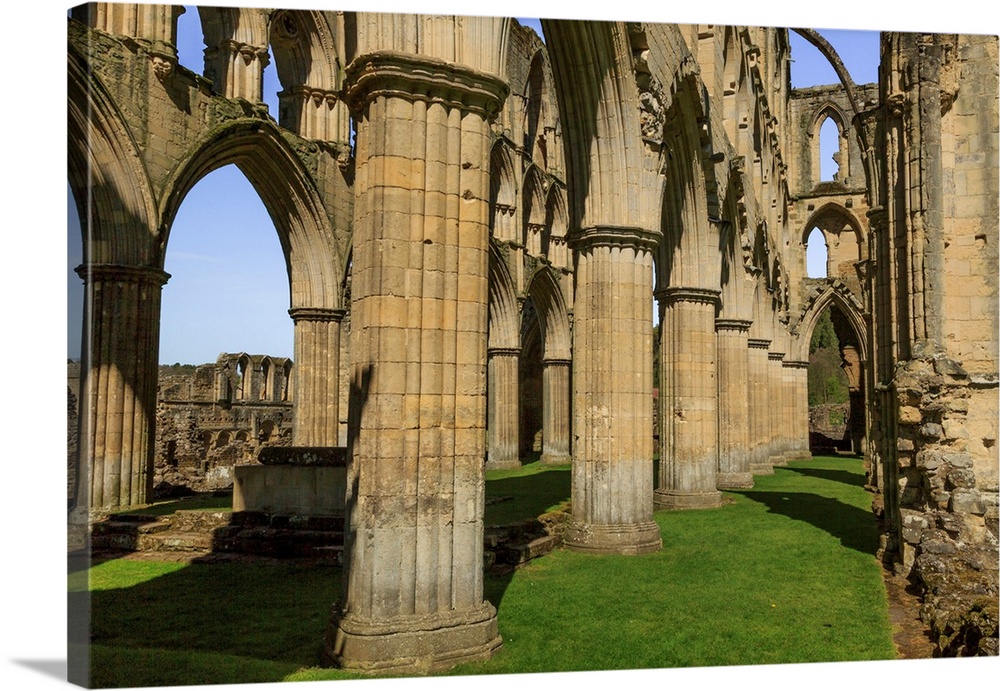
pixel 688 400
pixel 317 375
pixel 776 408
pixel 760 407
pixel 613 394
pixel 413 592
pixel 118 417
pixel 555 411
pixel 734 405
pixel 503 409
pixel 237 69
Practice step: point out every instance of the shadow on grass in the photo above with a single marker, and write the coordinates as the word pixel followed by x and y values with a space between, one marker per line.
pixel 526 496
pixel 841 476
pixel 854 527
pixel 213 623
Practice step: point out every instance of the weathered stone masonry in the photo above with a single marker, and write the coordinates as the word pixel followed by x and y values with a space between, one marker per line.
pixel 505 220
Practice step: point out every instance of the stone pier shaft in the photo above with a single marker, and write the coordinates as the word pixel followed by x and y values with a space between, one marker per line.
pixel 777 420
pixel 734 404
pixel 613 393
pixel 503 409
pixel 760 422
pixel 689 431
pixel 119 371
pixel 413 594
pixel 555 411
pixel 317 375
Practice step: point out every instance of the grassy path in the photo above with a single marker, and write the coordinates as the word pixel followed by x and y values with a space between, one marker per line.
pixel 783 573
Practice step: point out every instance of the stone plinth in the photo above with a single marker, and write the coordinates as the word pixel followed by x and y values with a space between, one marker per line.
pixel 413 594
pixel 688 400
pixel 613 394
pixel 297 490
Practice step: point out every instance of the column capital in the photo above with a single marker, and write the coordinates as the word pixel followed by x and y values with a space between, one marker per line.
pixel 503 351
pixel 775 357
pixel 758 343
pixel 121 273
pixel 742 325
pixel 614 236
pixel 421 78
pixel 557 361
pixel 316 314
pixel 796 364
pixel 708 296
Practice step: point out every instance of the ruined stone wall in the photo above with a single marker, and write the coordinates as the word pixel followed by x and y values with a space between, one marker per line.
pixel 941 93
pixel 200 436
pixel 72 427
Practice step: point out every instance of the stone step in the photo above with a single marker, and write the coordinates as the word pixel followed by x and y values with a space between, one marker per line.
pixel 192 520
pixel 516 554
pixel 174 541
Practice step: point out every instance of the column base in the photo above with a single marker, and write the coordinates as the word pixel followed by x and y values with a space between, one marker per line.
pixel 761 468
pixel 416 644
pixel 676 500
pixel 778 461
pixel 734 480
pixel 503 465
pixel 622 538
pixel 555 459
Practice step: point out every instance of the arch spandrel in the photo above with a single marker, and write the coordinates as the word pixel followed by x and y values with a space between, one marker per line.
pixel 106 168
pixel 288 193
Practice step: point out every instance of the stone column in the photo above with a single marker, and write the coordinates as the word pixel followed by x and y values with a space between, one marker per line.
pixel 317 376
pixel 734 404
pixel 776 409
pixel 800 408
pixel 689 432
pixel 503 409
pixel 760 406
pixel 413 591
pixel 237 69
pixel 119 371
pixel 790 423
pixel 613 393
pixel 555 411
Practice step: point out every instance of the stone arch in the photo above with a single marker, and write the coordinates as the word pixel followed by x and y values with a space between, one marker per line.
pixel 288 194
pixel 267 371
pixel 503 193
pixel 503 306
pixel 830 292
pixel 533 210
pixel 833 219
pixel 537 118
pixel 829 111
pixel 557 226
pixel 235 50
pixel 550 304
pixel 310 57
pixel 689 250
pixel 110 184
pixel 599 110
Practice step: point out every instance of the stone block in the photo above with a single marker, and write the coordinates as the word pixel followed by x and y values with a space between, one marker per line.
pixel 967 501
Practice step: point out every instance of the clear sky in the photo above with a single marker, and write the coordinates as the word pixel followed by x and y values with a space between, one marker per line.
pixel 228 289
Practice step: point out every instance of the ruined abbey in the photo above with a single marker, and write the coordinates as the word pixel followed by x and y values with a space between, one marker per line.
pixel 478 226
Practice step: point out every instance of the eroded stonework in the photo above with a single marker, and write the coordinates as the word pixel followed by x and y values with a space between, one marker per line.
pixel 501 222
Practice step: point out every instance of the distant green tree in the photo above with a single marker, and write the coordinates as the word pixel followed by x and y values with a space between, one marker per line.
pixel 827 380
pixel 824 335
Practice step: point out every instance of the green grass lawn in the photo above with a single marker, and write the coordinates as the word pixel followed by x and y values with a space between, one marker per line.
pixel 783 573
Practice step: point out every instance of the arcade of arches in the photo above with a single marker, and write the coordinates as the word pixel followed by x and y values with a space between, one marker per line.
pixel 496 235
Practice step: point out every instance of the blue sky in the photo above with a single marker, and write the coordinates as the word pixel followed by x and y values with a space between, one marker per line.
pixel 228 289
